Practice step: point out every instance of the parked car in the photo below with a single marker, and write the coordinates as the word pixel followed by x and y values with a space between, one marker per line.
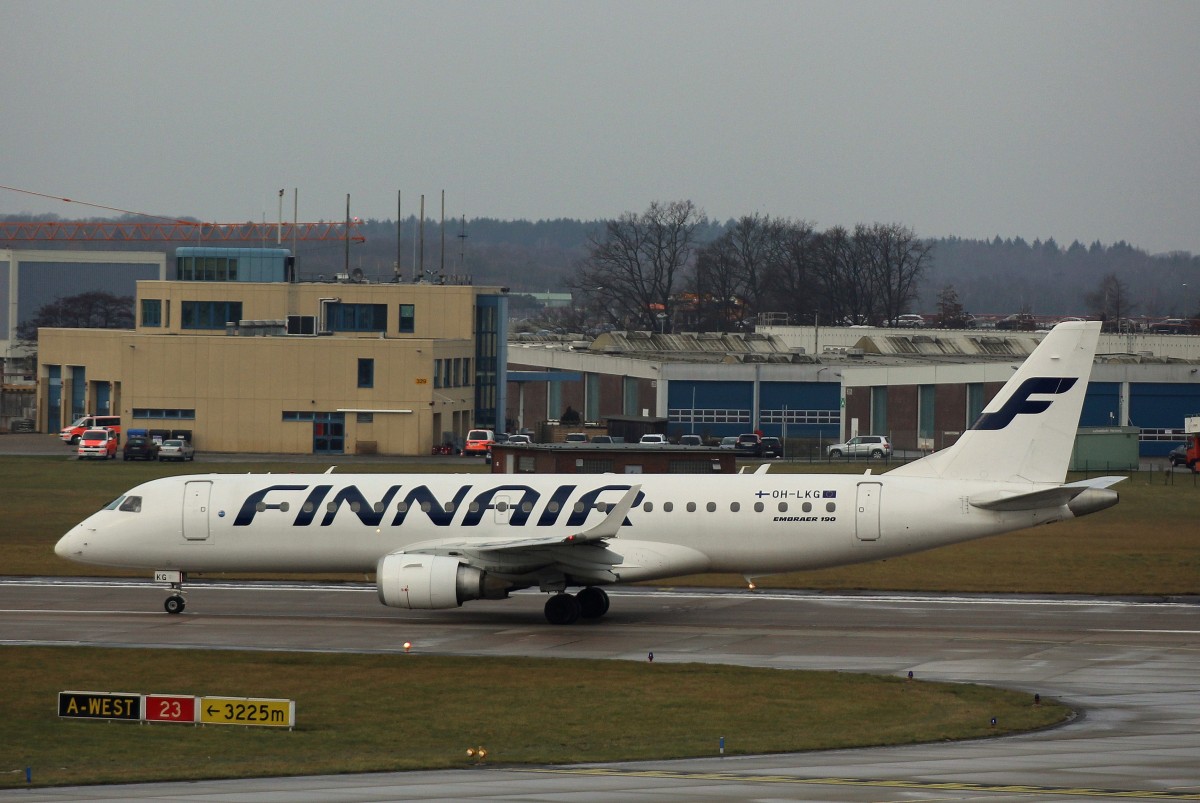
pixel 749 443
pixel 519 440
pixel 139 447
pixel 479 441
pixel 728 442
pixel 1178 456
pixel 770 447
pixel 909 322
pixel 691 440
pixel 653 438
pixel 577 437
pixel 176 449
pixel 862 446
pixel 603 439
pixel 98 443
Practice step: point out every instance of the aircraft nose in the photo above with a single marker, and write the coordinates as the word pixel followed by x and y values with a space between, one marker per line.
pixel 70 546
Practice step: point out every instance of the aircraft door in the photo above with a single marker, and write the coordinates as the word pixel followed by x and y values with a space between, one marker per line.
pixel 195 510
pixel 866 511
pixel 502 507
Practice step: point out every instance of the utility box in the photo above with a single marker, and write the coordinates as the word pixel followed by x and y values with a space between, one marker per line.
pixel 1105 449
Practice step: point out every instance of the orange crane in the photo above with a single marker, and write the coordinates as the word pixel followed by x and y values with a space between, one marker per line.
pixel 178 231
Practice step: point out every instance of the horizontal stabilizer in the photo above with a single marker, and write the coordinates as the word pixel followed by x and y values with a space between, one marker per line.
pixel 1036 500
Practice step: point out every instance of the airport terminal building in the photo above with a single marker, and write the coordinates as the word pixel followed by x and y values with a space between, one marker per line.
pixel 249 361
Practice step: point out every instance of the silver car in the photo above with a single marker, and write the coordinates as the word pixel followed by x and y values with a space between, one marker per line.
pixel 176 449
pixel 862 446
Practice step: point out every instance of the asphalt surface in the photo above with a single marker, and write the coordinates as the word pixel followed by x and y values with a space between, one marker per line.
pixel 1129 666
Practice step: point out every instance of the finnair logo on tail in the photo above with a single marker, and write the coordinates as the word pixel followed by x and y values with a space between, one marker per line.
pixel 1020 403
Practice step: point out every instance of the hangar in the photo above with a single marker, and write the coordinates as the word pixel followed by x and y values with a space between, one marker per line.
pixel 813 386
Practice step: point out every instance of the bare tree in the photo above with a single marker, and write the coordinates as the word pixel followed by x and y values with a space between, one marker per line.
pixel 896 259
pixel 91 310
pixel 792 281
pixel 732 271
pixel 1111 301
pixel 635 268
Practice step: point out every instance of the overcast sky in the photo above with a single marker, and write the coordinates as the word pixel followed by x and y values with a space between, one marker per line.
pixel 1071 120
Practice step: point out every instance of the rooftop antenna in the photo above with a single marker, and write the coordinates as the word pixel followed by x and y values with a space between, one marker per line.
pixel 422 237
pixel 347 268
pixel 442 227
pixel 399 223
pixel 462 246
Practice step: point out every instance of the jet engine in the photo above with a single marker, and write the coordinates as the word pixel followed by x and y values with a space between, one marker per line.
pixel 425 582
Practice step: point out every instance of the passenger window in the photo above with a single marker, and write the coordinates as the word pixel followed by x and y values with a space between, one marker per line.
pixel 578 507
pixel 132 504
pixel 502 506
pixel 691 507
pixel 602 507
pixel 402 507
pixel 552 507
pixel 711 507
pixel 668 507
pixel 735 506
pixel 758 507
pixel 783 507
pixel 527 507
pixel 831 506
pixel 807 507
pixel 377 507
pixel 473 507
pixel 450 507
pixel 648 507
pixel 307 507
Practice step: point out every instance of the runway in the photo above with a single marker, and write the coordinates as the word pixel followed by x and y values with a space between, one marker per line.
pixel 1130 666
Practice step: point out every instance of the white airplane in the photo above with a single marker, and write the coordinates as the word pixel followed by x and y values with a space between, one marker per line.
pixel 437 541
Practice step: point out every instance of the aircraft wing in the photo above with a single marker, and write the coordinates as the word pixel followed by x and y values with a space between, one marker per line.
pixel 1034 500
pixel 607 528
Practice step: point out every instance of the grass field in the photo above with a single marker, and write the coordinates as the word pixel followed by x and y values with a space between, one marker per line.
pixel 1148 544
pixel 370 713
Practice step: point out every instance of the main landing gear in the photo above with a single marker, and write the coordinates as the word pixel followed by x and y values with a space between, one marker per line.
pixel 566 609
pixel 174 603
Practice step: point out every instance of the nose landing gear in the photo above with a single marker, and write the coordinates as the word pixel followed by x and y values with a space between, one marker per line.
pixel 175 603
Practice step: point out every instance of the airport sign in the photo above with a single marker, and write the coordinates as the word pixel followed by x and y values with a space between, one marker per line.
pixel 99 705
pixel 247 711
pixel 170 708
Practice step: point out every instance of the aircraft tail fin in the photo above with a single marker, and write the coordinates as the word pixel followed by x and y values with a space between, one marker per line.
pixel 1026 433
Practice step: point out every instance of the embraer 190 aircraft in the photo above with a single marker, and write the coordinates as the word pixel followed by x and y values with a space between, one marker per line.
pixel 437 541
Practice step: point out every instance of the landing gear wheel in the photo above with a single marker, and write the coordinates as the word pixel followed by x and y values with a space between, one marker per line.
pixel 593 602
pixel 562 609
pixel 174 604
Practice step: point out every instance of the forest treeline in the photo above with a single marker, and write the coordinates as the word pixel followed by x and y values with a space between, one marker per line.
pixel 1002 275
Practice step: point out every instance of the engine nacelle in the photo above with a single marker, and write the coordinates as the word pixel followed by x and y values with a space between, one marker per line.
pixel 425 582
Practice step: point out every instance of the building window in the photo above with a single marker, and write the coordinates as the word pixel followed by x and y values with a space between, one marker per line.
pixel 158 412
pixel 356 317
pixel 209 314
pixel 152 312
pixel 407 319
pixel 365 418
pixel 437 373
pixel 366 373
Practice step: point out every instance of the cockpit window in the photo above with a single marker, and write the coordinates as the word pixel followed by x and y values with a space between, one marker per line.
pixel 132 504
pixel 114 503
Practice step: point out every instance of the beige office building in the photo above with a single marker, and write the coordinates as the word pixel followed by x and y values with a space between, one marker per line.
pixel 281 367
